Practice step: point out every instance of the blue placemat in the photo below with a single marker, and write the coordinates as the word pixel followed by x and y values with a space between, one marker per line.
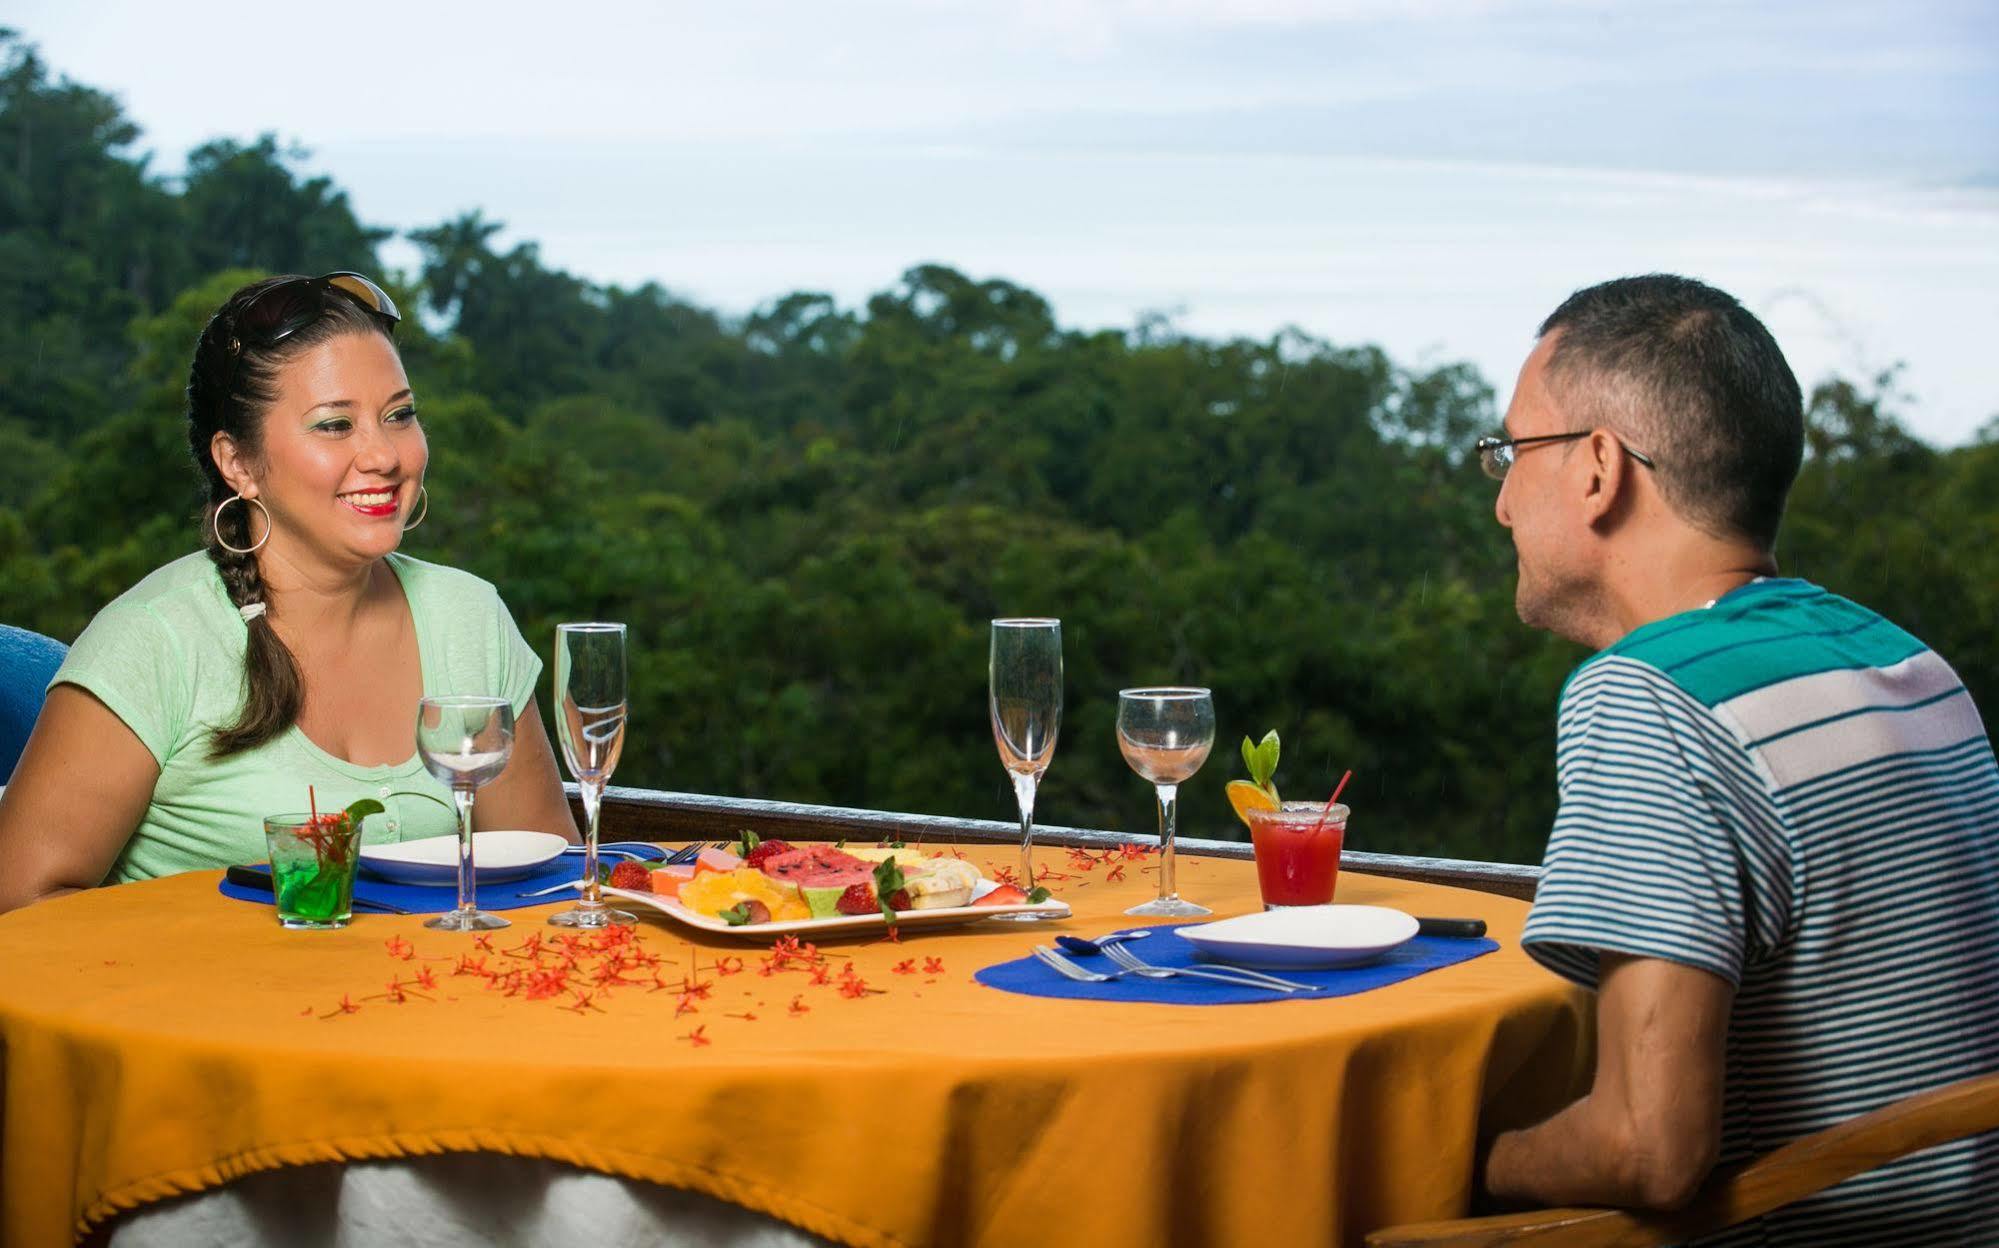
pixel 496 895
pixel 1165 948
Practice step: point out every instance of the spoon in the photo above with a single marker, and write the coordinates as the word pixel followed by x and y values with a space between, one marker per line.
pixel 1076 944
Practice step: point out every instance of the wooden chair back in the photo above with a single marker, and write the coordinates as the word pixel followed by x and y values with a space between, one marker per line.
pixel 1737 1193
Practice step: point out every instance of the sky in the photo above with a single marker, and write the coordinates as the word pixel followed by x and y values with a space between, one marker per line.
pixel 1429 175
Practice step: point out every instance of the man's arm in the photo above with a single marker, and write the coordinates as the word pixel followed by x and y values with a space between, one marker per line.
pixel 1649 1130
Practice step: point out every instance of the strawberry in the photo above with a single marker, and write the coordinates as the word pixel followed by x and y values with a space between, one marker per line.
pixel 858 899
pixel 632 875
pixel 1004 895
pixel 765 851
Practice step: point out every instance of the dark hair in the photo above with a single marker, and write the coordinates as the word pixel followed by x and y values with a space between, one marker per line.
pixel 222 399
pixel 1696 382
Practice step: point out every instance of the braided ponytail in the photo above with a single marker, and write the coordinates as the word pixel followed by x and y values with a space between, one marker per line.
pixel 273 690
pixel 222 400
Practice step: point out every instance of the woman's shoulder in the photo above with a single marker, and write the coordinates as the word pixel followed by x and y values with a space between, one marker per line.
pixel 149 653
pixel 176 593
pixel 438 582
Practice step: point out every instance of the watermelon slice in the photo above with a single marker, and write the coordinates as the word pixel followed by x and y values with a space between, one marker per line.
pixel 823 902
pixel 818 866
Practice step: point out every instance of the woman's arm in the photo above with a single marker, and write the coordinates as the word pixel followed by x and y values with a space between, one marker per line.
pixel 528 793
pixel 78 793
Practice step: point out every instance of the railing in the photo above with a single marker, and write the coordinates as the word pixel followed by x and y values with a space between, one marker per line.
pixel 655 815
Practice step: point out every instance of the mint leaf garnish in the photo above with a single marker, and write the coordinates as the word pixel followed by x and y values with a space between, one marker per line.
pixel 888 881
pixel 1261 759
pixel 1039 895
pixel 737 915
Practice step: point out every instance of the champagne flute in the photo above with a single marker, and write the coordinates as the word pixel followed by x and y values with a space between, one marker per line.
pixel 465 741
pixel 1024 672
pixel 1165 734
pixel 590 723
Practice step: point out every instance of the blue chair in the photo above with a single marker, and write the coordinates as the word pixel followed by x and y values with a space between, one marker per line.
pixel 27 662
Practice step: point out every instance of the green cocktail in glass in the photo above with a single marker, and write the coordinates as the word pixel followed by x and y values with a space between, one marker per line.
pixel 312 868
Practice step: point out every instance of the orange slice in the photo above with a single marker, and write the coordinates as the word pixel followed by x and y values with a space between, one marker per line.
pixel 1246 796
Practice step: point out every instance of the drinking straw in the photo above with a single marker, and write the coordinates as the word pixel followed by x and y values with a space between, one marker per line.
pixel 1332 801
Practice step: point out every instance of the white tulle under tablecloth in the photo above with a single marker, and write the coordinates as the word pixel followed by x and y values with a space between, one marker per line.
pixel 459 1200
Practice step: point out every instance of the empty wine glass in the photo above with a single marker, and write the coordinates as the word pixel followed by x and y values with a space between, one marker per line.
pixel 1024 673
pixel 590 723
pixel 465 741
pixel 1165 735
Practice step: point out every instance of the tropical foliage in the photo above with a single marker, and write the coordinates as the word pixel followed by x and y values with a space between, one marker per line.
pixel 808 514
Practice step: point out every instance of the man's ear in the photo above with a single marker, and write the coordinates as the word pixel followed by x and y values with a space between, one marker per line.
pixel 1607 477
pixel 232 464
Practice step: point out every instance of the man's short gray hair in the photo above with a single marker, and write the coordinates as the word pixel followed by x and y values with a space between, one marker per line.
pixel 1692 379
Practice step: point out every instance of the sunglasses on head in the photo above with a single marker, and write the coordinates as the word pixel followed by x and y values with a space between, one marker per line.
pixel 284 309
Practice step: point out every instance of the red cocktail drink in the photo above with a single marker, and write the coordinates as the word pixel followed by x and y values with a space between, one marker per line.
pixel 1297 852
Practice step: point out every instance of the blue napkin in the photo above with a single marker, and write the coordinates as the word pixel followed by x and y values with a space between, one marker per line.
pixel 492 895
pixel 1030 977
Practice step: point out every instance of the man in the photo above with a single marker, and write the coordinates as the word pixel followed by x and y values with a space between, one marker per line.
pixel 1776 857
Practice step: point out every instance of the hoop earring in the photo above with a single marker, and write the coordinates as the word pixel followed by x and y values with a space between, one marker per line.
pixel 215 522
pixel 423 493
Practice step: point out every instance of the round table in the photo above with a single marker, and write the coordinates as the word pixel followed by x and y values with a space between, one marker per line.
pixel 161 1039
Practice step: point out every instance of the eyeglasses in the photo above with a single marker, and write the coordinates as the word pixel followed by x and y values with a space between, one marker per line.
pixel 286 308
pixel 1496 455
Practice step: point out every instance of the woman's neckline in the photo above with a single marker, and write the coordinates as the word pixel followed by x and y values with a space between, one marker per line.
pixel 414 763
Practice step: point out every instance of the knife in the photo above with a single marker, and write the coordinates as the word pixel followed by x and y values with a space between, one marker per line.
pixel 1450 927
pixel 250 877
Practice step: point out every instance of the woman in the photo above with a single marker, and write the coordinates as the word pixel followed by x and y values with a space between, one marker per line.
pixel 294 651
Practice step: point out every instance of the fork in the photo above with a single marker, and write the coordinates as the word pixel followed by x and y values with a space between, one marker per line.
pixel 1135 965
pixel 563 887
pixel 1070 970
pixel 606 850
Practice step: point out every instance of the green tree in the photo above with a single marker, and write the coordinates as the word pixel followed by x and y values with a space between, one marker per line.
pixel 247 208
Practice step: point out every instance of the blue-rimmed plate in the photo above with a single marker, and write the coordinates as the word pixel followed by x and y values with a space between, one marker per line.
pixel 496 858
pixel 1303 937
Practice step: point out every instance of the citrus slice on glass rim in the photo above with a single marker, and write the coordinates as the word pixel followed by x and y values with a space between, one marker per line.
pixel 1246 796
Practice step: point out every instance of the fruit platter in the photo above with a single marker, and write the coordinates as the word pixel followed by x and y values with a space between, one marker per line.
pixel 762 889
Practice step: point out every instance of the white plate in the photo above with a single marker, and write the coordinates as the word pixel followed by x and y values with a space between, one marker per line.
pixel 1303 938
pixel 843 925
pixel 496 857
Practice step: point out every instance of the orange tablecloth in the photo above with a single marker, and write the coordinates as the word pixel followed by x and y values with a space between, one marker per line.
pixel 161 1039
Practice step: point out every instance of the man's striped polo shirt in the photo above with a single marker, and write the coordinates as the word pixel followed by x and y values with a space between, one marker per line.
pixel 1787 791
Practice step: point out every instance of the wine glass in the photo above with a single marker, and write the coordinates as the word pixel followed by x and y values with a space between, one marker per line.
pixel 1165 734
pixel 465 741
pixel 590 724
pixel 1024 671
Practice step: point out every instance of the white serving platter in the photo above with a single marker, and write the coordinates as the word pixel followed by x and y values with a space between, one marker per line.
pixel 843 925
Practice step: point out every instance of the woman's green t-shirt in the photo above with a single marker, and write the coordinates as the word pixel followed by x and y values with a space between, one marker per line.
pixel 167 657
